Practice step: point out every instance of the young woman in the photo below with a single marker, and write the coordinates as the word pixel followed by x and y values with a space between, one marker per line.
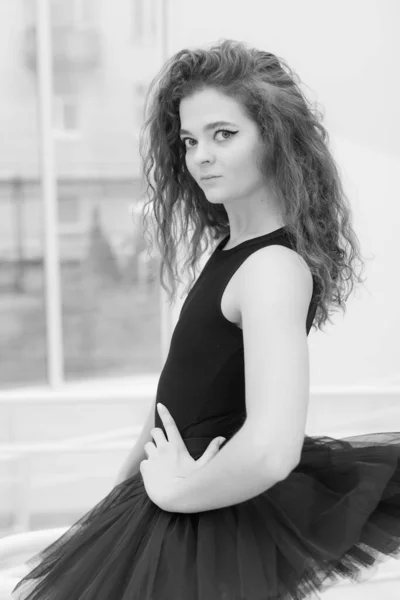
pixel 235 151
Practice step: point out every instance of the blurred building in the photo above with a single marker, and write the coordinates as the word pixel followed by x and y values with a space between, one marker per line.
pixel 102 61
pixel 103 58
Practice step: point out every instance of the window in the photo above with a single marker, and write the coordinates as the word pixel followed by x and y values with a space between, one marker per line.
pixel 153 17
pixel 69 210
pixel 66 115
pixel 137 20
pixel 144 20
pixel 73 13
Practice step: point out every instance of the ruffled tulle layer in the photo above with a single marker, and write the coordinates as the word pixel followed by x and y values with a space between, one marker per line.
pixel 336 514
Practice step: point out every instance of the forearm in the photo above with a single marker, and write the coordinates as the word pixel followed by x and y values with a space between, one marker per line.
pixel 238 472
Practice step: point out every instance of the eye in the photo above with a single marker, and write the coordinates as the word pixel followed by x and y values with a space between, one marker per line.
pixel 231 133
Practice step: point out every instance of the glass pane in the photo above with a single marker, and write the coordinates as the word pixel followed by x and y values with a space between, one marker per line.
pixel 110 294
pixel 109 286
pixel 22 307
pixel 111 316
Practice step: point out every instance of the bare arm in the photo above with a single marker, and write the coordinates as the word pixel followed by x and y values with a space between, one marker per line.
pixel 131 465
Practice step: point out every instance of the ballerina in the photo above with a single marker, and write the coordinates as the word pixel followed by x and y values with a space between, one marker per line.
pixel 237 154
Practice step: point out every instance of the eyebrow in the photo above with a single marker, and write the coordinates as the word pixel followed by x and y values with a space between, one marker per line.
pixel 210 126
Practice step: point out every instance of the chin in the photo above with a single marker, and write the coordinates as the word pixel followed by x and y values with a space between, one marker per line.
pixel 214 199
pixel 214 193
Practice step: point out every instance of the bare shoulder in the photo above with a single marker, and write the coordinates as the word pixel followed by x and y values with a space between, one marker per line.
pixel 275 276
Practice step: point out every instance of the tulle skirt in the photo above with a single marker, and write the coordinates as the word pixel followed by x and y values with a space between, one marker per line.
pixel 336 514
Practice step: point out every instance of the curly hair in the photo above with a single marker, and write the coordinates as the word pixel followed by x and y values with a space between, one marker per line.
pixel 297 162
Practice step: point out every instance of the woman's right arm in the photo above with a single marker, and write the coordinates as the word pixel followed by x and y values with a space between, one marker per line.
pixel 137 454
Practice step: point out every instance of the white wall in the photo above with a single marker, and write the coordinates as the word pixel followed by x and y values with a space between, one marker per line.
pixel 346 54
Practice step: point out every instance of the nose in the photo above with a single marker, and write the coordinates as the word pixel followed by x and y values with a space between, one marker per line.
pixel 203 154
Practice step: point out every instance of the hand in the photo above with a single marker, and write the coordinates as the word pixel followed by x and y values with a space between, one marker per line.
pixel 169 462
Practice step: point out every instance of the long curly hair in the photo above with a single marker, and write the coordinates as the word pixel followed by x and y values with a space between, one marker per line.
pixel 297 162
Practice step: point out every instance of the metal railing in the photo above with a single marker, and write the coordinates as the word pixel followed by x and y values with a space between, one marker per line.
pixel 24 453
pixel 124 438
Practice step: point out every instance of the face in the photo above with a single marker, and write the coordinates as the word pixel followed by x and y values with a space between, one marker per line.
pixel 230 151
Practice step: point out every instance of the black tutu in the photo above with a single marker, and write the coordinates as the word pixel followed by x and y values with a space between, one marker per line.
pixel 337 513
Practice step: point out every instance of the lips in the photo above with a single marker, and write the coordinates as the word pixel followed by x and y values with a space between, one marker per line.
pixel 210 176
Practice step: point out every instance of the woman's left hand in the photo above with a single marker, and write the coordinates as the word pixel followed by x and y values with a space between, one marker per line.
pixel 169 462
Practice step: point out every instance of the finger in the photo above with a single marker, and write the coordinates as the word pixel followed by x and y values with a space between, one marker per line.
pixel 158 435
pixel 150 448
pixel 173 434
pixel 211 450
